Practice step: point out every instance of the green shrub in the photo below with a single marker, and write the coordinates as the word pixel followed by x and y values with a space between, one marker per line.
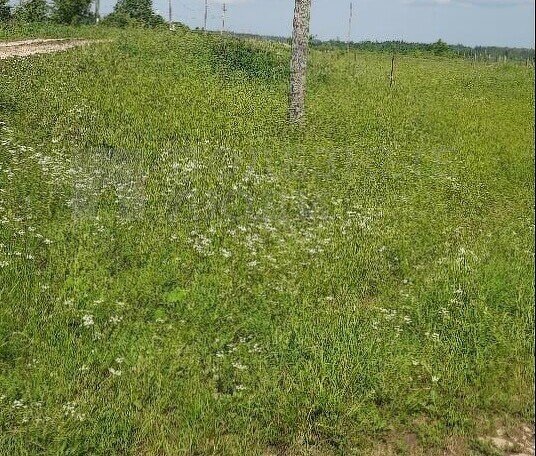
pixel 134 13
pixel 72 11
pixel 5 10
pixel 239 56
pixel 32 11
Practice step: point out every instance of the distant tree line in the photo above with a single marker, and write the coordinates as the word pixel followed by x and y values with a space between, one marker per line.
pixel 439 48
pixel 74 12
pixel 494 52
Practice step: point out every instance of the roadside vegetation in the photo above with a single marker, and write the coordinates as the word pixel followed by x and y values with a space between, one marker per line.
pixel 182 272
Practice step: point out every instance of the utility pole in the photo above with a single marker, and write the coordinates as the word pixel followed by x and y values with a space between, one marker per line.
pixel 206 17
pixel 350 26
pixel 97 11
pixel 298 66
pixel 170 14
pixel 224 10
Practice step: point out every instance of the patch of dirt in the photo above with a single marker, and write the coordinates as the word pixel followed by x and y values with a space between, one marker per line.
pixel 39 46
pixel 512 442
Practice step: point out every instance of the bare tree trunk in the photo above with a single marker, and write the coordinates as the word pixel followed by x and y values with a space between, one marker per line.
pixel 300 45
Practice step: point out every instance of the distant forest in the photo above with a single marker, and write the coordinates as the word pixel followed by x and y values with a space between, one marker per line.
pixel 440 48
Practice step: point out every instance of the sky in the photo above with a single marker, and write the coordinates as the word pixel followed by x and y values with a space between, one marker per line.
pixel 470 22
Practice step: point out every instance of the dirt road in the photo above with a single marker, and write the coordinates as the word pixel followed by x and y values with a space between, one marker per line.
pixel 39 46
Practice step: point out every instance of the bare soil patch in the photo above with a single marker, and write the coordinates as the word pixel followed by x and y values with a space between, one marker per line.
pixel 40 46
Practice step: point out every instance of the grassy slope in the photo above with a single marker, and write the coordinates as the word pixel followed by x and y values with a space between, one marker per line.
pixel 259 288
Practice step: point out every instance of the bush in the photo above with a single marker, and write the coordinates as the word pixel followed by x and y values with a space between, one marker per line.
pixel 232 56
pixel 134 13
pixel 5 10
pixel 72 11
pixel 441 48
pixel 119 20
pixel 32 11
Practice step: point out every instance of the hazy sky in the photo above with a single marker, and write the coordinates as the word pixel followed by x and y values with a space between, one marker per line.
pixel 472 22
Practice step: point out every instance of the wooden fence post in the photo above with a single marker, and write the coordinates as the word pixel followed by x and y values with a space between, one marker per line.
pixel 392 76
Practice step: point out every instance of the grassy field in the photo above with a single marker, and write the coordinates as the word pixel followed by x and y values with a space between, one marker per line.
pixel 183 273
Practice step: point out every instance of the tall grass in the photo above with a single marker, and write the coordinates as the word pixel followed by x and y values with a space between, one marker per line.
pixel 183 273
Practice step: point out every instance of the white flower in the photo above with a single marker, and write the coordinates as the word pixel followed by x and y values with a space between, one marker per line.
pixel 87 320
pixel 115 319
pixel 114 372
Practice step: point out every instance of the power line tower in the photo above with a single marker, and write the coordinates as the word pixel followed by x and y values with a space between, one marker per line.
pixel 298 65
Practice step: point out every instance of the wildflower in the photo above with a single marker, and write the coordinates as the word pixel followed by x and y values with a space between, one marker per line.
pixel 114 372
pixel 115 319
pixel 69 409
pixel 239 366
pixel 256 349
pixel 87 320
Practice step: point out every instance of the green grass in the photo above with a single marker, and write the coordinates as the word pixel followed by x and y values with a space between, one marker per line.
pixel 184 273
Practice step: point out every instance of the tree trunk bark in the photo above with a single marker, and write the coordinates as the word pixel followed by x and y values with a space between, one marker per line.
pixel 300 45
